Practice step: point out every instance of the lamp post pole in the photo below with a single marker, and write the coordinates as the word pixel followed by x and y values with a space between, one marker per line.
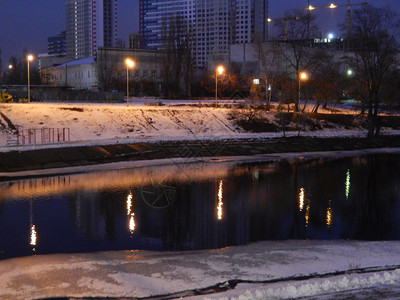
pixel 301 76
pixel 216 85
pixel 127 84
pixel 129 64
pixel 298 96
pixel 219 70
pixel 29 85
pixel 29 58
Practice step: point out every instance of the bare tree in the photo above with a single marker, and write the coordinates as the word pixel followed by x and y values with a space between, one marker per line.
pixel 19 73
pixel 296 28
pixel 177 62
pixel 284 89
pixel 15 75
pixel 106 69
pixel 374 43
pixel 391 89
pixel 269 59
pixel 324 79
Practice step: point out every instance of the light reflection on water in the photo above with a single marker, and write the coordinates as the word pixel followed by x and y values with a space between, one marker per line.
pixel 111 180
pixel 301 199
pixel 130 213
pixel 329 215
pixel 202 206
pixel 220 203
pixel 347 183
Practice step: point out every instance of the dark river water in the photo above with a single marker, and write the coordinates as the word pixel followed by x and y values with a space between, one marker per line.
pixel 202 206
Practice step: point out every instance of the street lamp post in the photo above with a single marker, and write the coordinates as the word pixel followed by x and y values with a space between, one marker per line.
pixel 129 65
pixel 301 76
pixel 349 72
pixel 269 20
pixel 219 70
pixel 29 58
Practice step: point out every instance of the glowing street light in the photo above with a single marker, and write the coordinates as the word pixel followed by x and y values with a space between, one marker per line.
pixel 29 58
pixel 334 6
pixel 10 67
pixel 349 72
pixel 301 76
pixel 331 6
pixel 129 65
pixel 219 70
pixel 268 20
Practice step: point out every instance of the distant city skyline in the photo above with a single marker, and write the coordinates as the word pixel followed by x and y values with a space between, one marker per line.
pixel 28 24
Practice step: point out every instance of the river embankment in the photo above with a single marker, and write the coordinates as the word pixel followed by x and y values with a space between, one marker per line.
pixel 66 157
pixel 38 136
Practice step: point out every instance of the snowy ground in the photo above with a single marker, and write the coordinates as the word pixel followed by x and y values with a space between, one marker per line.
pixel 264 270
pixel 91 124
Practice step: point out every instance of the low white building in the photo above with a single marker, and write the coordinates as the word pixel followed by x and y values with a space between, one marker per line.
pixel 78 74
pixel 50 60
pixel 108 72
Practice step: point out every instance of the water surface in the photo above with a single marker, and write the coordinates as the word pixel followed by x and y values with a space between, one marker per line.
pixel 202 206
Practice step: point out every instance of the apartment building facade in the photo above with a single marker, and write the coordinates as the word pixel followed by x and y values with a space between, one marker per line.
pixel 90 24
pixel 213 24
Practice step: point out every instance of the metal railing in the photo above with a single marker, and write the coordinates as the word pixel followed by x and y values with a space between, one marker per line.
pixel 35 136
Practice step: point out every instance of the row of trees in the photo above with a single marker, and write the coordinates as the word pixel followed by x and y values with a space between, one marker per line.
pixel 372 55
pixel 177 71
pixel 374 38
pixel 16 71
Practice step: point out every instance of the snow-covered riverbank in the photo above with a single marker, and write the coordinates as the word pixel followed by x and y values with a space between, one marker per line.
pixel 91 124
pixel 264 270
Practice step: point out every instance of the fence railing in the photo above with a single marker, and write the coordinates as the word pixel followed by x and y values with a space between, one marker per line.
pixel 35 136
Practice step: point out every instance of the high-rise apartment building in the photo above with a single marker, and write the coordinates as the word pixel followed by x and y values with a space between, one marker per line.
pixel 134 41
pixel 90 24
pixel 213 24
pixel 56 44
pixel 152 15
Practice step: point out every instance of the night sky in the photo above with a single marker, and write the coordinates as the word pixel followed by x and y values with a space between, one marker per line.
pixel 28 23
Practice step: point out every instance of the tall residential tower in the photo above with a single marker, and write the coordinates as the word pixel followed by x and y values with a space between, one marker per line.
pixel 214 24
pixel 90 24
